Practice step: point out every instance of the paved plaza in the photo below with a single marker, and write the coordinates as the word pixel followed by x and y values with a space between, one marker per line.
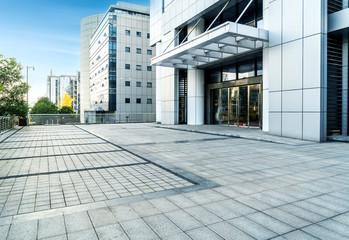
pixel 149 181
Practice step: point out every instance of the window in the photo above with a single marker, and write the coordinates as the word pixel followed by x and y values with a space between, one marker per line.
pixel 127 100
pixel 139 34
pixel 112 47
pixel 138 100
pixel 149 52
pixel 246 69
pixel 148 35
pixel 229 73
pixel 138 67
pixel 138 84
pixel 127 83
pixel 127 32
pixel 149 101
pixel 149 85
pixel 127 49
pixel 149 68
pixel 112 30
pixel 139 51
pixel 127 66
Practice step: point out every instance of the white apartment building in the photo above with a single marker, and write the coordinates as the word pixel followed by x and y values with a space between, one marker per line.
pixel 279 65
pixel 122 80
pixel 58 86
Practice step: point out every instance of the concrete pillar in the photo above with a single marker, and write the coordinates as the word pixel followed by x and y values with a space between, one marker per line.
pixel 345 87
pixel 265 102
pixel 196 84
pixel 196 94
pixel 158 87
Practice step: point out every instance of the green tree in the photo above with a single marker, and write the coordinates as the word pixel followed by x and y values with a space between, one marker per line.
pixel 66 110
pixel 44 106
pixel 12 89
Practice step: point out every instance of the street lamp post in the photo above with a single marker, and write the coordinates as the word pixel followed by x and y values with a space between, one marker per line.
pixel 28 92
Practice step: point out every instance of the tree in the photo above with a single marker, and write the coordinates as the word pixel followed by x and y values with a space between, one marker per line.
pixel 12 89
pixel 66 110
pixel 44 106
pixel 66 101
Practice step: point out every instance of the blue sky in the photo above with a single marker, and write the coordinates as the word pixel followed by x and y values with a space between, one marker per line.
pixel 46 34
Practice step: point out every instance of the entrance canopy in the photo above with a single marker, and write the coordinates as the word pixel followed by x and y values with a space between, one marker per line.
pixel 226 40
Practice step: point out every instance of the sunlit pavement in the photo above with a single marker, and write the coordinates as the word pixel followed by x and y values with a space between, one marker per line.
pixel 144 181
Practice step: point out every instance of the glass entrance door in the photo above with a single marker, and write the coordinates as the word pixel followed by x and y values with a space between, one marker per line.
pixel 238 106
pixel 243 106
pixel 254 98
pixel 234 106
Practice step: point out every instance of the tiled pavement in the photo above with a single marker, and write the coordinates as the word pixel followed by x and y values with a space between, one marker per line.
pixel 62 182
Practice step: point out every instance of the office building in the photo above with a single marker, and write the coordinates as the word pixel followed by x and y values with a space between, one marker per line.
pixel 58 86
pixel 279 65
pixel 121 76
pixel 88 26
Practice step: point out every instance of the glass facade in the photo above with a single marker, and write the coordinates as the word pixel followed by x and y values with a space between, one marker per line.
pixel 235 93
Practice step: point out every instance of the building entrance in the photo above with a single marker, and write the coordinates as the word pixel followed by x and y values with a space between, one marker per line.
pixel 237 106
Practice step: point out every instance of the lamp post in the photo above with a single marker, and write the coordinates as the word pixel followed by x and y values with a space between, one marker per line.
pixel 28 92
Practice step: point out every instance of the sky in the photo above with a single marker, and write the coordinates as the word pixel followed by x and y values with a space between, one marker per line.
pixel 46 34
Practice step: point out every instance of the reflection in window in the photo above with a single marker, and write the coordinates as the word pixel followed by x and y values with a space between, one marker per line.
pixel 127 49
pixel 149 52
pixel 259 67
pixel 138 84
pixel 127 32
pixel 149 84
pixel 127 66
pixel 149 68
pixel 138 67
pixel 139 34
pixel 149 101
pixel 139 51
pixel 246 69
pixel 229 73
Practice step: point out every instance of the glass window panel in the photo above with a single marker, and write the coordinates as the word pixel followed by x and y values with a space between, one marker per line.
pixel 246 69
pixel 229 73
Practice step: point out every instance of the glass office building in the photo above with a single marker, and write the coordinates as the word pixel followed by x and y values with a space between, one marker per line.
pixel 280 66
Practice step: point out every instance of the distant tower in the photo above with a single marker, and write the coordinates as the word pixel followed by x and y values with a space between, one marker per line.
pixel 88 26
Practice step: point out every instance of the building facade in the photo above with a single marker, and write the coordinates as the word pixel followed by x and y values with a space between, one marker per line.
pixel 280 65
pixel 58 86
pixel 122 80
pixel 88 26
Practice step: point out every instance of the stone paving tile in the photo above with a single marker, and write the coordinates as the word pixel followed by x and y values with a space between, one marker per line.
pixel 101 217
pixel 88 234
pixel 322 233
pixel 50 227
pixel 162 226
pixel 113 231
pixel 26 230
pixel 138 229
pixel 289 190
pixel 183 220
pixel 298 235
pixel 251 228
pixel 228 231
pixel 77 222
pixel 203 233
pixel 270 223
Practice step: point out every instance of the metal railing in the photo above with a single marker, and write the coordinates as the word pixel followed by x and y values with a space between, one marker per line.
pixel 53 119
pixel 119 117
pixel 91 118
pixel 7 123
